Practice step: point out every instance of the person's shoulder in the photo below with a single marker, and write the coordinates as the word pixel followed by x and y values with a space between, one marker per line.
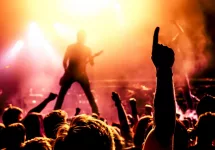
pixel 155 142
pixel 71 45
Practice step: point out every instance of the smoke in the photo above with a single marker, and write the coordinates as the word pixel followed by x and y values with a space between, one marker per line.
pixel 188 114
pixel 192 41
pixel 126 38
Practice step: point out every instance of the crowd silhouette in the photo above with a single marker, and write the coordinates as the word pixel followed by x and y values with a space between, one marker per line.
pixel 158 129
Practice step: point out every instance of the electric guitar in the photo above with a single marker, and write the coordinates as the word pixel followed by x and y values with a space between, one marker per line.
pixel 69 74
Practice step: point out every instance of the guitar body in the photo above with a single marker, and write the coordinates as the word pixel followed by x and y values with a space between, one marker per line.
pixel 74 74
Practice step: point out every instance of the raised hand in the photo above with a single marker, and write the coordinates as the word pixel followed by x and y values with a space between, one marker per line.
pixel 52 96
pixel 115 97
pixel 77 111
pixel 162 56
pixel 132 101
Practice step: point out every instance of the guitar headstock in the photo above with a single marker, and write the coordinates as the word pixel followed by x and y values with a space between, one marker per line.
pixel 98 53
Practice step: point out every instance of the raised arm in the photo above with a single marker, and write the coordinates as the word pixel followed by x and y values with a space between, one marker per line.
pixel 125 128
pixel 161 137
pixel 134 111
pixel 164 101
pixel 43 104
pixel 77 111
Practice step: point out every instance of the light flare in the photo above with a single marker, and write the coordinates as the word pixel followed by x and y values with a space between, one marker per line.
pixel 188 114
pixel 35 36
pixel 84 7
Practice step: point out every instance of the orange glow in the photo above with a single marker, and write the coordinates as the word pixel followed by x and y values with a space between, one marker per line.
pixel 84 7
pixel 35 35
pixel 34 101
pixel 105 21
pixel 7 66
pixel 121 27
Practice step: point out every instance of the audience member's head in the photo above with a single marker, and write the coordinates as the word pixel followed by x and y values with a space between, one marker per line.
pixel 14 135
pixel 38 143
pixel 11 115
pixel 33 123
pixel 52 121
pixel 94 115
pixel 63 130
pixel 148 109
pixel 87 132
pixel 119 141
pixel 207 104
pixel 205 128
pixel 142 126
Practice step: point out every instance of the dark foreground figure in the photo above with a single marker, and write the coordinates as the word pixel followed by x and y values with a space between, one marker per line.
pixel 75 71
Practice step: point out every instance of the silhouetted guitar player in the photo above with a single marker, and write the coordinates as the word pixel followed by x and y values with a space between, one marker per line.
pixel 75 60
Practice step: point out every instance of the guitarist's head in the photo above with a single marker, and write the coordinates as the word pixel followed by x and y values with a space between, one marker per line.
pixel 81 37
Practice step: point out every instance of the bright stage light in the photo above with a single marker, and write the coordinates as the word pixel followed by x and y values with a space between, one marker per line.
pixel 17 47
pixel 11 54
pixel 34 101
pixel 85 7
pixel 35 36
pixel 65 32
pixel 19 44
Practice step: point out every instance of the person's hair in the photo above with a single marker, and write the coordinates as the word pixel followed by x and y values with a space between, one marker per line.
pixel 148 109
pixel 63 130
pixel 207 104
pixel 118 139
pixel 52 121
pixel 11 115
pixel 87 132
pixel 33 123
pixel 14 135
pixel 205 127
pixel 142 126
pixel 94 115
pixel 38 143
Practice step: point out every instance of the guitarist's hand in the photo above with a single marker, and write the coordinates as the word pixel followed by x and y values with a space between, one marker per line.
pixel 92 62
pixel 91 59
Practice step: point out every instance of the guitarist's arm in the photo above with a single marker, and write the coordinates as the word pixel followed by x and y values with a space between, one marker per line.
pixel 91 60
pixel 65 59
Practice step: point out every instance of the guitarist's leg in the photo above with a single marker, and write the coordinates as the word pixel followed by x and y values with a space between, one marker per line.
pixel 61 96
pixel 84 82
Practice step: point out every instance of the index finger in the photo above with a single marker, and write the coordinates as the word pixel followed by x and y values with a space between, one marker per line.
pixel 155 38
